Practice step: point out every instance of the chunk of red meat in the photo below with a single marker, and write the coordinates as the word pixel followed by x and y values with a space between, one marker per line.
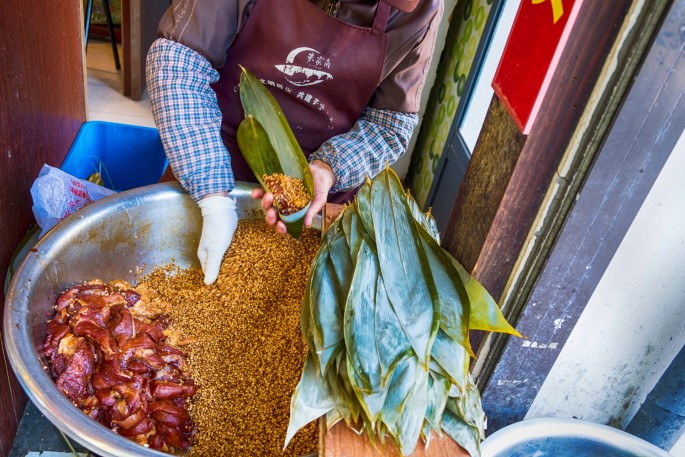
pixel 121 326
pixel 74 381
pixel 55 333
pixel 97 334
pixel 109 374
pixel 164 390
pixel 131 297
pixel 167 413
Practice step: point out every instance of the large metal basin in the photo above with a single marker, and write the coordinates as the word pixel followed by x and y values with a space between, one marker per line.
pixel 120 237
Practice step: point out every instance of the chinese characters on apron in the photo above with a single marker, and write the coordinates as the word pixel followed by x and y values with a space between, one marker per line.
pixel 321 70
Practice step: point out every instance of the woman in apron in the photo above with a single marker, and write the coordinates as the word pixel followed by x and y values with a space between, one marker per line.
pixel 348 76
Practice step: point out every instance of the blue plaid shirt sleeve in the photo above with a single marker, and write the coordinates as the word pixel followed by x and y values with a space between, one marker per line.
pixel 188 118
pixel 379 137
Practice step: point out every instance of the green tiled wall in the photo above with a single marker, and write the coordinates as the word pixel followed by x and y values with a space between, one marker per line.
pixel 466 28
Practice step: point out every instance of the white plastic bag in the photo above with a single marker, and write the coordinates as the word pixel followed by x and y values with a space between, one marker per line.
pixel 57 194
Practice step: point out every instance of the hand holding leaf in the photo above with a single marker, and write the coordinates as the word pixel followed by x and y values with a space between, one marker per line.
pixel 270 147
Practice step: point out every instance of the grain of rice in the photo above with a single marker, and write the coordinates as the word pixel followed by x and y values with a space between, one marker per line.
pixel 289 193
pixel 248 350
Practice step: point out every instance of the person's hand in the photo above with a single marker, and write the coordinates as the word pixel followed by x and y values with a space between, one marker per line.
pixel 323 177
pixel 219 221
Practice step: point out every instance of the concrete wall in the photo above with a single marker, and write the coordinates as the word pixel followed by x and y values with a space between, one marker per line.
pixel 634 323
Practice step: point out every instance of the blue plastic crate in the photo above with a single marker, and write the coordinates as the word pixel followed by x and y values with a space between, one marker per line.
pixel 126 156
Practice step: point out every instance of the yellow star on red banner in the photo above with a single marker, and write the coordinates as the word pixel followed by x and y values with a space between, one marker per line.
pixel 557 8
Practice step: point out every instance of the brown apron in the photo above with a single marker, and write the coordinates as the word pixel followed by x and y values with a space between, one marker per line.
pixel 321 70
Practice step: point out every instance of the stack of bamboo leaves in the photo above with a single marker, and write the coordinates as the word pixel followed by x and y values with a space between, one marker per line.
pixel 386 316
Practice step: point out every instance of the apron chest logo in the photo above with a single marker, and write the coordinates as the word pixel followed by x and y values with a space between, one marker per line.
pixel 305 67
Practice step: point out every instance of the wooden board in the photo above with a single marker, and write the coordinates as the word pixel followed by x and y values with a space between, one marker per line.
pixel 485 183
pixel 342 441
pixel 330 212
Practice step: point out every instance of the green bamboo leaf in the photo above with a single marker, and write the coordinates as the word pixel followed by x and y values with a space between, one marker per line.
pixel 363 204
pixel 268 144
pixel 305 317
pixel 427 434
pixel 462 433
pixel 371 402
pixel 342 263
pixel 258 102
pixel 382 432
pixel 454 302
pixel 358 326
pixel 333 417
pixel 326 310
pixel 369 427
pixel 393 345
pixel 401 383
pixel 468 407
pixel 407 427
pixel 438 390
pixel 342 371
pixel 333 229
pixel 294 222
pixel 316 276
pixel 353 229
pixel 425 219
pixel 455 392
pixel 405 406
pixel 403 264
pixel 325 357
pixel 310 400
pixel 452 357
pixel 257 150
pixel 344 402
pixel 485 313
pixel 435 367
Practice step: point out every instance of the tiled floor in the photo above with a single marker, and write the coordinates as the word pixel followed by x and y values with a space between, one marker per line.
pixel 37 437
pixel 106 101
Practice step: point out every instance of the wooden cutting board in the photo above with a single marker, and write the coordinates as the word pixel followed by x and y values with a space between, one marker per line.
pixel 342 441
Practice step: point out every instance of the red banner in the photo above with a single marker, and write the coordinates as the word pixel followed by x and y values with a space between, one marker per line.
pixel 537 37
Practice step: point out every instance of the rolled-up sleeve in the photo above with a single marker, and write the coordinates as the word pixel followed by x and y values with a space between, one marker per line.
pixel 188 118
pixel 194 36
pixel 377 139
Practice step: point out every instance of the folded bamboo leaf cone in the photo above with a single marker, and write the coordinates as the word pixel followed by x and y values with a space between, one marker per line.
pixel 290 198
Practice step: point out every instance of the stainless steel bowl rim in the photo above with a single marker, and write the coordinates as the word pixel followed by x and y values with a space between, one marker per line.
pixel 20 345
